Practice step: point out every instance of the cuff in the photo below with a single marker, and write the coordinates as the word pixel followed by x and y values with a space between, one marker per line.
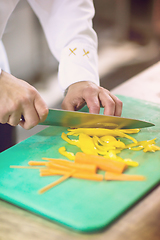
pixel 79 62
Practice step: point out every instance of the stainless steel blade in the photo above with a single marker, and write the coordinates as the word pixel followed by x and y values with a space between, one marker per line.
pixel 76 119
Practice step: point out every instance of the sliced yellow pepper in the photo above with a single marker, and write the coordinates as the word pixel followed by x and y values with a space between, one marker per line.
pixel 108 139
pixel 130 162
pixel 112 155
pixel 141 143
pixel 116 144
pixel 99 141
pixel 100 146
pixel 151 148
pixel 69 155
pixel 70 141
pixel 147 146
pixel 129 131
pixel 99 132
pixel 85 143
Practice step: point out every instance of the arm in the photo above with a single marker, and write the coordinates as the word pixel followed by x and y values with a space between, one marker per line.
pixel 71 38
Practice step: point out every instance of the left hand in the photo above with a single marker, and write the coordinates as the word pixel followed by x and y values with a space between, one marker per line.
pixel 87 92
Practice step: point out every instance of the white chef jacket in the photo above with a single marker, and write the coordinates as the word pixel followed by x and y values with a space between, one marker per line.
pixel 68 28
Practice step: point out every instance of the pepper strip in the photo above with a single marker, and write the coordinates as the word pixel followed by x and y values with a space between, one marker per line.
pixel 147 146
pixel 86 144
pixel 69 155
pixel 101 132
pixel 70 141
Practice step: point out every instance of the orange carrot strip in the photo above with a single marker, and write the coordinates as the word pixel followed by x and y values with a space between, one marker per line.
pixel 94 177
pixel 50 172
pixel 27 167
pixel 89 168
pixel 123 177
pixel 36 163
pixel 51 185
pixel 77 174
pixel 58 161
pixel 101 162
pixel 58 166
pixel 54 159
pixel 46 174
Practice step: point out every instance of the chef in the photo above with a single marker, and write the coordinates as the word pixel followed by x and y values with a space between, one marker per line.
pixel 68 28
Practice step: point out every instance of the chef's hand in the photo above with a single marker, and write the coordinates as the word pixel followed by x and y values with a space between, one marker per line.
pixel 17 99
pixel 87 92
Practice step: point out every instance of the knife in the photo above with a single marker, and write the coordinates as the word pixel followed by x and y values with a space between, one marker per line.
pixel 75 119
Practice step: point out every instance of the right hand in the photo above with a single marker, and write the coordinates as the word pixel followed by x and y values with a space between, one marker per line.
pixel 17 99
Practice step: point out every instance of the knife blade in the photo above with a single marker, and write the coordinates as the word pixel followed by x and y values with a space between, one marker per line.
pixel 75 119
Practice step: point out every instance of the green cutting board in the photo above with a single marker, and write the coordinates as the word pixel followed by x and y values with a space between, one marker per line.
pixel 80 204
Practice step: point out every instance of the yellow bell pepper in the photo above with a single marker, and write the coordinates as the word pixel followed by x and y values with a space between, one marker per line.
pixel 130 162
pixel 99 141
pixel 69 155
pixel 112 155
pixel 99 132
pixel 151 148
pixel 130 131
pixel 85 143
pixel 108 139
pixel 100 146
pixel 147 146
pixel 70 141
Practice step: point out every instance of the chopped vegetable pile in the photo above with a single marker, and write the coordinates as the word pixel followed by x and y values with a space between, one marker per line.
pixel 104 142
pixel 99 148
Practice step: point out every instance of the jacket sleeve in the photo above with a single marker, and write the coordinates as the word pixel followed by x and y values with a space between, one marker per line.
pixel 68 28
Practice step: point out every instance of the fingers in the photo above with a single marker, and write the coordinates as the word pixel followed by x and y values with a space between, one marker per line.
pixel 112 105
pixel 34 113
pixel 10 114
pixel 118 105
pixel 4 116
pixel 41 108
pixel 94 96
pixel 18 98
pixel 14 119
pixel 73 101
pixel 92 99
pixel 79 94
pixel 30 118
pixel 67 105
